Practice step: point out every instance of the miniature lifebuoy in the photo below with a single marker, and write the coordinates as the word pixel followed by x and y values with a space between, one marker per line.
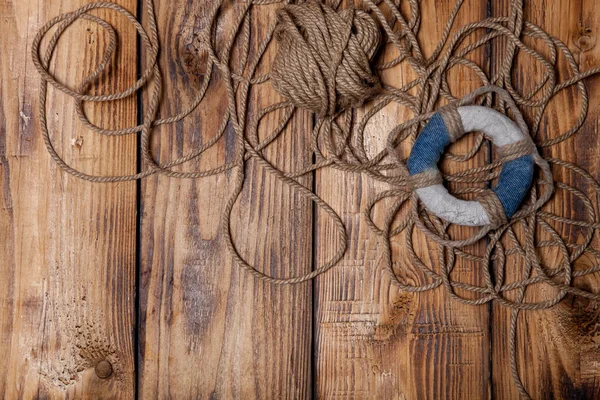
pixel 514 180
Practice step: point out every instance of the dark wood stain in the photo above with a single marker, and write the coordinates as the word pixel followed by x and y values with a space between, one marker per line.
pixel 198 309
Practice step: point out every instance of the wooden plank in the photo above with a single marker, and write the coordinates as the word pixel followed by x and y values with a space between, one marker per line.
pixel 67 281
pixel 372 340
pixel 557 349
pixel 207 328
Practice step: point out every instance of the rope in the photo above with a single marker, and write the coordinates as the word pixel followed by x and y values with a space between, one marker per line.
pixel 337 49
pixel 323 62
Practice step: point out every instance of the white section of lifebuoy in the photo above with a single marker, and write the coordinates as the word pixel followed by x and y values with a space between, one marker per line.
pixel 439 201
pixel 498 127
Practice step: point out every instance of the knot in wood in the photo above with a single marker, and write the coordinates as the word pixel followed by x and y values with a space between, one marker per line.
pixel 584 39
pixel 323 62
pixel 103 369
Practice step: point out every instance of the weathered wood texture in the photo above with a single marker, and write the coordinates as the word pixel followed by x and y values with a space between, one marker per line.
pixel 372 339
pixel 206 329
pixel 67 258
pixel 558 350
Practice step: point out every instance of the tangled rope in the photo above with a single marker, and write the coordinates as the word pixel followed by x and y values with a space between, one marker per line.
pixel 338 78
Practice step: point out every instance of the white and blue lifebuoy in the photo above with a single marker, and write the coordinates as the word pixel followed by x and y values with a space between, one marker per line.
pixel 514 180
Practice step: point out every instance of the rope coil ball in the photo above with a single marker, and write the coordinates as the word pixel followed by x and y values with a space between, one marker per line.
pixel 323 61
pixel 342 77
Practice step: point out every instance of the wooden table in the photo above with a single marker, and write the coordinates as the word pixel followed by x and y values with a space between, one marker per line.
pixel 137 274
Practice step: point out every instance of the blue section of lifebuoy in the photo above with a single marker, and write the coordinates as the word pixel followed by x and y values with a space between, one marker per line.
pixel 429 146
pixel 514 182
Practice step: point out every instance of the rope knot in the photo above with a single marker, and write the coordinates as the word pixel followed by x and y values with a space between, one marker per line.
pixel 323 60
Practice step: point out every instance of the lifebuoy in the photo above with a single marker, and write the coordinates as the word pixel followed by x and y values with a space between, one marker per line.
pixel 513 183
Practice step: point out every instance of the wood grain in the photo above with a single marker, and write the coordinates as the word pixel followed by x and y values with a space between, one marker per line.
pixel 372 340
pixel 558 350
pixel 67 275
pixel 209 330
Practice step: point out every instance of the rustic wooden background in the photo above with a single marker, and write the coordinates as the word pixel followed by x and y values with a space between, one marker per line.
pixel 137 273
